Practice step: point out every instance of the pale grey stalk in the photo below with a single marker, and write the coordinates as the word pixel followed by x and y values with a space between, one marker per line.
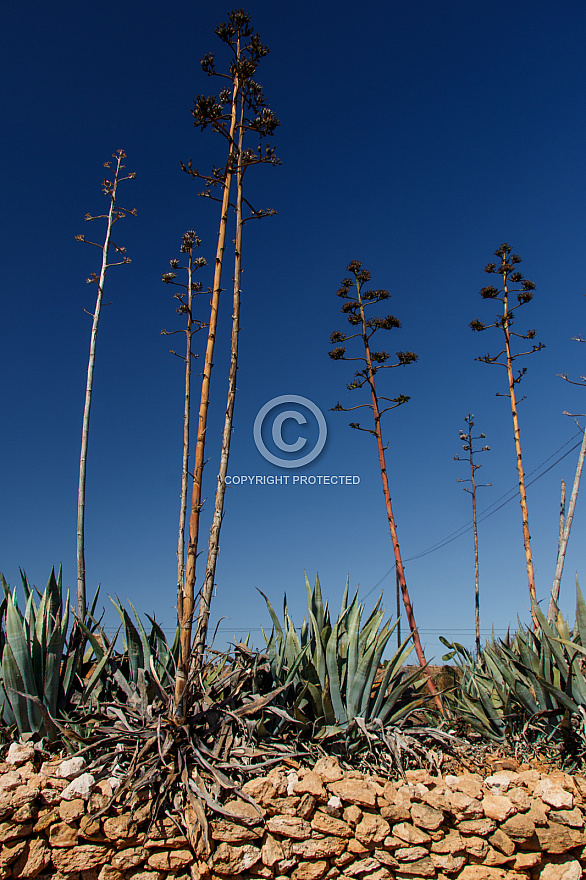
pixel 555 590
pixel 112 216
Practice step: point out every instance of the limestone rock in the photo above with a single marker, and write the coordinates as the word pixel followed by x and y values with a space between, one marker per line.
pixel 482 872
pixel 470 784
pixel 244 810
pixel 538 813
pixel 492 857
pixel 498 783
pixel 311 784
pixel 520 798
pixel 109 873
pixel 260 790
pixel 573 818
pixel 175 859
pixel 519 827
pixel 80 858
pixel 334 806
pixel 410 834
pixel 452 843
pixel 51 796
pixel 526 860
pixel 352 815
pixel 447 862
pixel 330 826
pixel 21 796
pixel 362 867
pixel 144 874
pixel 462 805
pixel 502 841
pixel 11 851
pixel 33 860
pixel 556 838
pixel 69 811
pixel 354 791
pixel 271 852
pixel 357 848
pixel 498 806
pixel 568 869
pixel 554 795
pixel 426 817
pixel 528 778
pixel 420 868
pixel 372 829
pixel 62 834
pixel 9 831
pixel 328 769
pixel 400 811
pixel 128 858
pixel 122 828
pixel 10 781
pixel 81 786
pixel 310 870
pixel 482 827
pixel 20 753
pixel 385 858
pixel 70 768
pixel 233 860
pixel 91 828
pixel 231 832
pixel 382 873
pixel 410 853
pixel 306 807
pixel 327 848
pixel 26 813
pixel 289 826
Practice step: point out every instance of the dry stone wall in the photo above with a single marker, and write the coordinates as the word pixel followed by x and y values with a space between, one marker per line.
pixel 321 823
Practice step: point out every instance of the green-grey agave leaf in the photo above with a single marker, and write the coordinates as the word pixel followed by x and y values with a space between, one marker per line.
pixel 334 677
pixel 382 704
pixel 361 693
pixel 133 642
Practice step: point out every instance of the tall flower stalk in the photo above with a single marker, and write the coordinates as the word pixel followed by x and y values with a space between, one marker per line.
pixel 505 358
pixel 468 446
pixel 355 305
pixel 566 521
pixel 256 118
pixel 222 115
pixel 189 244
pixel 115 213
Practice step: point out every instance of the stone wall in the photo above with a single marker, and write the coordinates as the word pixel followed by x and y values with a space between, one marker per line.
pixel 317 824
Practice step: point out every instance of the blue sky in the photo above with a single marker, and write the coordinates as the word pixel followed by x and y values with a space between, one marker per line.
pixel 415 137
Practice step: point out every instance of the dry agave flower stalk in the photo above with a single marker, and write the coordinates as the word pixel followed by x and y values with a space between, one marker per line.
pixel 115 213
pixel 354 308
pixel 506 268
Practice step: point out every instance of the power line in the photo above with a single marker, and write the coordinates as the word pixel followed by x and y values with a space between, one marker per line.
pixel 488 511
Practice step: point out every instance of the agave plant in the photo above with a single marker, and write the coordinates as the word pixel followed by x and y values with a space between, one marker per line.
pixel 144 670
pixel 335 668
pixel 38 665
pixel 531 685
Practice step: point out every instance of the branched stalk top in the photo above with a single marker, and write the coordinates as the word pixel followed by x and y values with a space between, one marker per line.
pixel 505 321
pixel 189 243
pixel 216 111
pixel 357 301
pixel 117 212
pixel 468 446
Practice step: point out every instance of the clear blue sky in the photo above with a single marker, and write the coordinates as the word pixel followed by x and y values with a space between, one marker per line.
pixel 416 137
